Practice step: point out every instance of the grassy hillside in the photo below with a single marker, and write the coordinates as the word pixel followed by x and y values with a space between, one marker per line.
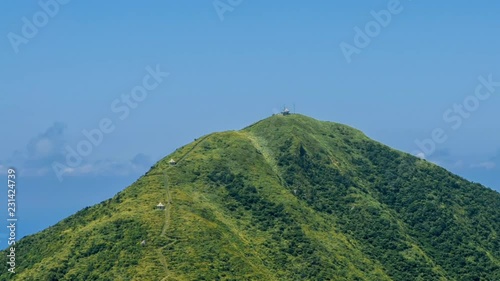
pixel 288 198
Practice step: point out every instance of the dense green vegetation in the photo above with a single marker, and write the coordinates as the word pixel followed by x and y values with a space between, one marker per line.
pixel 288 198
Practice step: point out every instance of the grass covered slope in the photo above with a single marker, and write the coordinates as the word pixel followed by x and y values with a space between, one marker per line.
pixel 288 198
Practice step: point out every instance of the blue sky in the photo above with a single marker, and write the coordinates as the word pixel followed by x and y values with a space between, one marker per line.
pixel 227 69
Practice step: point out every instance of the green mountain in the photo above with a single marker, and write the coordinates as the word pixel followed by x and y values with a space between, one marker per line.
pixel 288 198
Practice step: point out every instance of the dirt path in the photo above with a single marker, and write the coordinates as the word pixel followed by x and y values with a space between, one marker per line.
pixel 168 206
pixel 164 263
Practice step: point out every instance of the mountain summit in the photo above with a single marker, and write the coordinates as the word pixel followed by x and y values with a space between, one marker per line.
pixel 287 198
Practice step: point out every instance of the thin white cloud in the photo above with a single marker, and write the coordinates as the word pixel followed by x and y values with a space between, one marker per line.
pixel 112 167
pixel 488 165
pixel 43 150
pixel 459 164
pixel 496 158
